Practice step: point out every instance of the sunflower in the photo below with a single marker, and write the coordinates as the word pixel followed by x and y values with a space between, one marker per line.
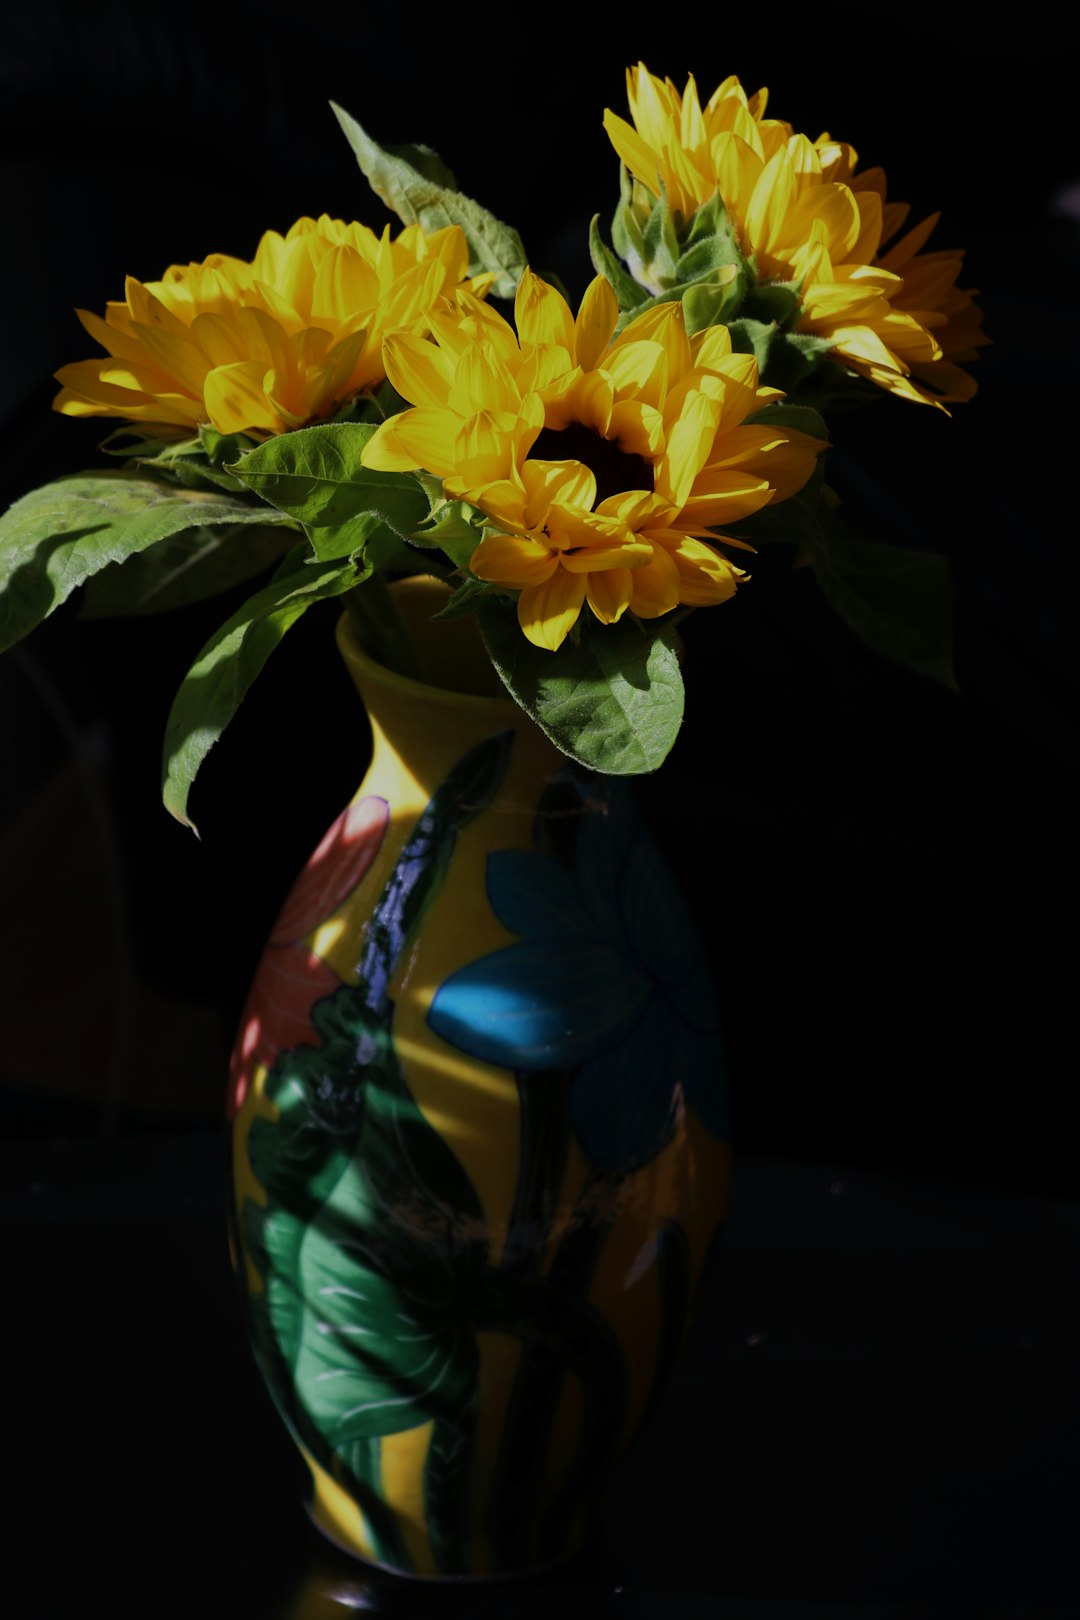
pixel 798 208
pixel 604 464
pixel 928 289
pixel 265 346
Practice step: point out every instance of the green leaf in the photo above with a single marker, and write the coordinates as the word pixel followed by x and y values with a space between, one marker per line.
pixel 425 161
pixel 315 475
pixel 900 603
pixel 56 538
pixel 185 568
pixel 629 292
pixel 365 538
pixel 419 199
pixel 613 701
pixel 220 677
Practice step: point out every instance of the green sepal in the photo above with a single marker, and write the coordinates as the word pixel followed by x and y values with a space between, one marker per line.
pixel 612 700
pixel 625 230
pixel 466 598
pixel 711 219
pixel 661 245
pixel 709 242
pixel 830 387
pixel 316 476
pixel 710 302
pixel 753 337
pixel 418 199
pixel 777 302
pixel 196 463
pixel 221 448
pixel 785 359
pixel 222 674
pixel 128 444
pixel 56 538
pixel 185 568
pixel 452 528
pixel 630 293
pixel 706 256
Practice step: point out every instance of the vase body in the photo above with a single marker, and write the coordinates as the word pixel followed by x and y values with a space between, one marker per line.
pixel 479 1140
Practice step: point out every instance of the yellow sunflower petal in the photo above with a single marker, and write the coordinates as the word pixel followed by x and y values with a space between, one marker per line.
pixel 608 593
pixel 235 399
pixel 548 611
pixel 656 586
pixel 595 324
pixel 507 559
pixel 541 314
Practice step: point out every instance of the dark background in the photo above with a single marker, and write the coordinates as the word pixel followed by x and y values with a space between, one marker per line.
pixel 883 872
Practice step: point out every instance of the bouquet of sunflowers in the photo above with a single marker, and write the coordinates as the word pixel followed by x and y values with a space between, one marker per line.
pixel 345 408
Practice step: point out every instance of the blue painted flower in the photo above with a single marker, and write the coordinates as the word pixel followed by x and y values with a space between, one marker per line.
pixel 607 979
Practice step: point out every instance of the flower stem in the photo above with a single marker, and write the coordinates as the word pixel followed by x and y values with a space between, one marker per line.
pixel 380 628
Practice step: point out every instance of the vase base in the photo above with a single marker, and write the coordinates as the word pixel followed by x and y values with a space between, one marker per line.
pixel 381 1572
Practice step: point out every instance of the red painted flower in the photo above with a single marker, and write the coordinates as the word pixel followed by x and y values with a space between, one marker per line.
pixel 291 977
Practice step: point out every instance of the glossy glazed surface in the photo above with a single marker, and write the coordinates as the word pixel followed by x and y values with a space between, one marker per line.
pixel 479 1140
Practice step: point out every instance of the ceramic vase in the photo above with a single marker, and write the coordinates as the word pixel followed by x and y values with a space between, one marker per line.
pixel 479 1131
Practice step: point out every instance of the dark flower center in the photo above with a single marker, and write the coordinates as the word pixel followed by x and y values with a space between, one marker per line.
pixel 615 470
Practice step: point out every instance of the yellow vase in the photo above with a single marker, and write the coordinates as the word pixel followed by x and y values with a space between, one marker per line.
pixel 479 1132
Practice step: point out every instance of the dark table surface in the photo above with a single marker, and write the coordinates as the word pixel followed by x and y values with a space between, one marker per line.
pixel 877 1413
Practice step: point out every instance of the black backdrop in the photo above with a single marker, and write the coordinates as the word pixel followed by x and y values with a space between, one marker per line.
pixel 882 871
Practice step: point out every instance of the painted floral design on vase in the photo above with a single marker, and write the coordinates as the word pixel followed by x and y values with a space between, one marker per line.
pixel 474 1196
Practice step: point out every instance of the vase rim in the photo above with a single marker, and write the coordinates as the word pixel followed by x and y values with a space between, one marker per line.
pixel 367 668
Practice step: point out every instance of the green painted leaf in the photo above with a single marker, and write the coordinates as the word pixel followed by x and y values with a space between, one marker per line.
pixel 315 475
pixel 419 199
pixel 185 568
pixel 218 681
pixel 56 538
pixel 613 702
pixel 629 292
pixel 900 603
pixel 414 1363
